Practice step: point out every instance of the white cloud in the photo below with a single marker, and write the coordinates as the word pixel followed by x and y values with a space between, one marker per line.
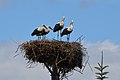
pixel 105 46
pixel 110 47
pixel 111 56
pixel 15 68
pixel 3 3
pixel 86 4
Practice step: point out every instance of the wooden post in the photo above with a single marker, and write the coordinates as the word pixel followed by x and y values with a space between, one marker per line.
pixel 54 74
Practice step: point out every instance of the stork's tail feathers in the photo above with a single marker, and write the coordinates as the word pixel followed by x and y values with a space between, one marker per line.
pixel 56 27
pixel 54 30
pixel 61 34
pixel 32 34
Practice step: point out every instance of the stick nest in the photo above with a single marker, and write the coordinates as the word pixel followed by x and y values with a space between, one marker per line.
pixel 65 55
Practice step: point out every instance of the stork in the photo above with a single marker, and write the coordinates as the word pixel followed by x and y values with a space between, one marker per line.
pixel 58 27
pixel 68 30
pixel 41 31
pixel 46 31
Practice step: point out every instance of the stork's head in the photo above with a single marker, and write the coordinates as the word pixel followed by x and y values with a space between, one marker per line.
pixel 71 22
pixel 63 18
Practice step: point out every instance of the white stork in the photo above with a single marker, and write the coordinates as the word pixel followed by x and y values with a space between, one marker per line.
pixel 68 30
pixel 46 31
pixel 41 31
pixel 58 27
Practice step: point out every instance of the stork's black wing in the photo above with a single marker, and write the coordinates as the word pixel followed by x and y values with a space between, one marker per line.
pixel 35 32
pixel 64 32
pixel 57 27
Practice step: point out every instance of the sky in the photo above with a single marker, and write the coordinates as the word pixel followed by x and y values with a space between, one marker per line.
pixel 97 20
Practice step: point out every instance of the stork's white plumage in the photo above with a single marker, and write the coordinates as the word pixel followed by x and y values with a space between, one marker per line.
pixel 68 30
pixel 46 31
pixel 41 31
pixel 58 27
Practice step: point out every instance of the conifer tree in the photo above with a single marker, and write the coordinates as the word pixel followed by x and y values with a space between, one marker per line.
pixel 101 75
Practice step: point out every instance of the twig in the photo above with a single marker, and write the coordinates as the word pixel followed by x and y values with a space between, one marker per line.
pixel 61 61
pixel 85 64
pixel 90 66
pixel 80 38
pixel 16 55
pixel 30 64
pixel 17 48
pixel 48 68
pixel 78 71
pixel 57 58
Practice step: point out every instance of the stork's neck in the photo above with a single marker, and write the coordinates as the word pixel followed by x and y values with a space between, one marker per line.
pixel 71 23
pixel 48 28
pixel 63 19
pixel 70 28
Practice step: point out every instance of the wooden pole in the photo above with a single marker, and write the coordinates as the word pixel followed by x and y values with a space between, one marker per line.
pixel 54 74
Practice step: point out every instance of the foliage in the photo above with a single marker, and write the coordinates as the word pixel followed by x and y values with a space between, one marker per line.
pixel 101 74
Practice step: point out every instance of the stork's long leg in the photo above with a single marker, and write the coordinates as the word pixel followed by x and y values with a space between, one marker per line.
pixel 39 37
pixel 68 37
pixel 58 35
pixel 43 37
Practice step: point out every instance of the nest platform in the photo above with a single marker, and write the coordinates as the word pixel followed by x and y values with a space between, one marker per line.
pixel 65 55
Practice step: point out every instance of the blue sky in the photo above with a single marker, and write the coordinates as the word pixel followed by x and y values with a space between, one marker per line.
pixel 97 20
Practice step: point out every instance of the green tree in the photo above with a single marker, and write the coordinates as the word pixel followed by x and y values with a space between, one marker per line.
pixel 101 75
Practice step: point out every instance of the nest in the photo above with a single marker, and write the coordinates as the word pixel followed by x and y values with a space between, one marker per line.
pixel 65 55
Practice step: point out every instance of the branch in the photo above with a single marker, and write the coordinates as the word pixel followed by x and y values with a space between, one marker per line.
pixel 48 68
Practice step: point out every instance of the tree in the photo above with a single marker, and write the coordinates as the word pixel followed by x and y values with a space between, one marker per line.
pixel 101 75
